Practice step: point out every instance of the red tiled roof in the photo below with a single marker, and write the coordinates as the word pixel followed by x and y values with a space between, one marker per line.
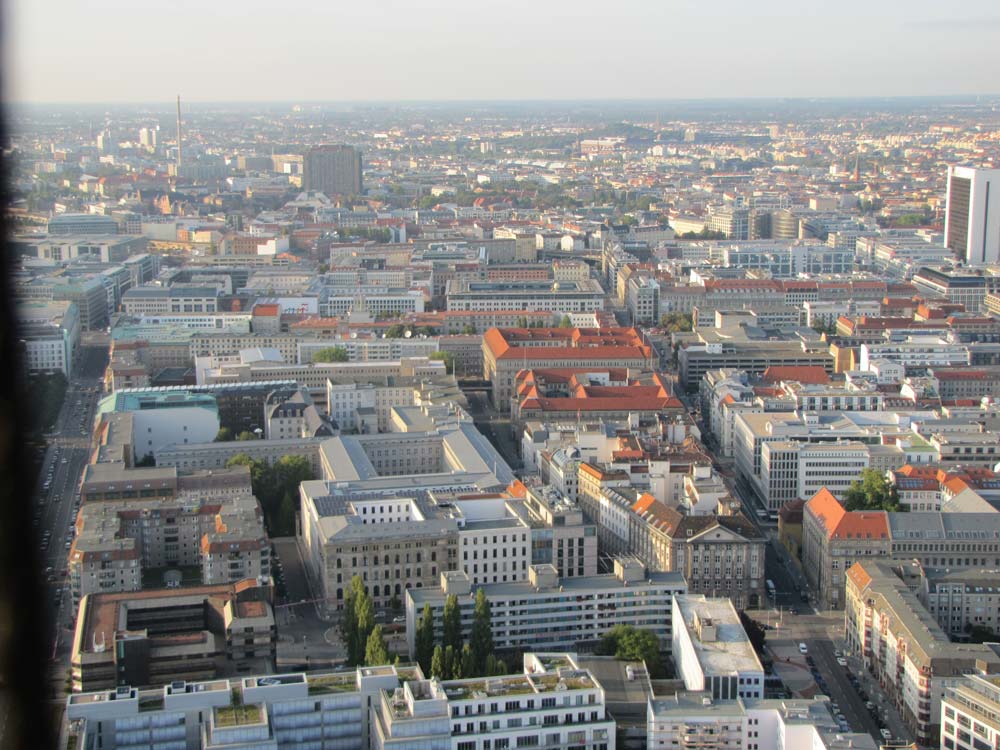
pixel 842 524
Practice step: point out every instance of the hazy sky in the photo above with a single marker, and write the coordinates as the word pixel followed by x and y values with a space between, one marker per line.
pixel 309 50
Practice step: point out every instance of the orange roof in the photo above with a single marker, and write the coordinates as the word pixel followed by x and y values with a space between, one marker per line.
pixel 809 374
pixel 842 524
pixel 642 403
pixel 269 310
pixel 859 576
pixel 517 488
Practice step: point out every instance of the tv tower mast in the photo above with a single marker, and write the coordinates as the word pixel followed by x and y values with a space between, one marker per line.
pixel 178 132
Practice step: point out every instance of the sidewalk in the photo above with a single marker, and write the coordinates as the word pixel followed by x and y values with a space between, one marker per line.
pixel 888 714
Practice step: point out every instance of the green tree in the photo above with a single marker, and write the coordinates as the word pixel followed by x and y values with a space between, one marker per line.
pixel 676 322
pixel 481 634
pixel 565 322
pixel 452 662
pixel 872 491
pixel 146 461
pixel 376 652
pixel 224 435
pixel 348 625
pixel 979 633
pixel 632 644
pixel 425 639
pixel 469 329
pixel 285 520
pixel 246 435
pixel 467 664
pixel 451 623
pixel 448 358
pixel 364 614
pixel 437 663
pixel 331 354
pixel 755 633
pixel 395 331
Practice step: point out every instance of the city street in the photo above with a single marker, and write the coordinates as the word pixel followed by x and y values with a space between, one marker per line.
pixel 56 505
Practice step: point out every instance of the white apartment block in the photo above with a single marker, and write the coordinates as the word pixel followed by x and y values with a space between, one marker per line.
pixel 970 714
pixel 917 352
pixel 697 721
pixel 554 704
pixel 549 612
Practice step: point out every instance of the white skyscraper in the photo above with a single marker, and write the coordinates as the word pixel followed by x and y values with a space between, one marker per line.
pixel 972 221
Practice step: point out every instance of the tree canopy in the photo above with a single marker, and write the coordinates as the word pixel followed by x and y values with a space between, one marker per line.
pixel 331 354
pixel 276 487
pixel 632 644
pixel 872 491
pixel 677 322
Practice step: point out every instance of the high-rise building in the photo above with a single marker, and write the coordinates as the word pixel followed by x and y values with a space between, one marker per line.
pixel 972 222
pixel 332 170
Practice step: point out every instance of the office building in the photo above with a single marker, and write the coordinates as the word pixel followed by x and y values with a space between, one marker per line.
pixel 711 649
pixel 82 224
pixel 158 637
pixel 696 721
pixel 719 555
pixel 552 296
pixel 972 219
pixel 50 335
pixel 291 711
pixel 507 351
pixel 332 170
pixel 553 704
pixel 546 611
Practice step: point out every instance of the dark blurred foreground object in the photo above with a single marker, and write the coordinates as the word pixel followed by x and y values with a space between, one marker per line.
pixel 27 703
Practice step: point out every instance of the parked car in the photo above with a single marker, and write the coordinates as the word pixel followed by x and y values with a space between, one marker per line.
pixel 803 649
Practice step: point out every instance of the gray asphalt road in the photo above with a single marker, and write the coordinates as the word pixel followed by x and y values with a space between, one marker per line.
pixel 56 505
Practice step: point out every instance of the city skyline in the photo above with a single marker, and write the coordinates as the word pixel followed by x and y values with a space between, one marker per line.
pixel 559 52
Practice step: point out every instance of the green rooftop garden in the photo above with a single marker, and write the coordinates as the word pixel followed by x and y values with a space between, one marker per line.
pixel 235 716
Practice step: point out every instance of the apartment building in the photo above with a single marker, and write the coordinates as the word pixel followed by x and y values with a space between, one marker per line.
pixel 905 648
pixel 118 539
pixel 546 611
pixel 158 637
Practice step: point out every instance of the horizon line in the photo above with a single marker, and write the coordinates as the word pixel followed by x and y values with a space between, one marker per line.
pixel 525 100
